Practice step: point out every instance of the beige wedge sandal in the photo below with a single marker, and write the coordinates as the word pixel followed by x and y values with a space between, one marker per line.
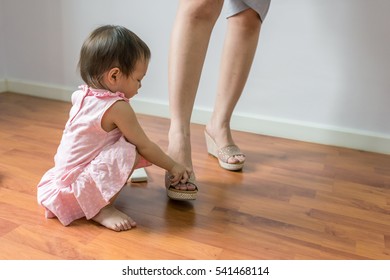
pixel 224 154
pixel 177 194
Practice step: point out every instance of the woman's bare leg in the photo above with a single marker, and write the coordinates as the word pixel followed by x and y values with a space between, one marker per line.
pixel 237 57
pixel 189 42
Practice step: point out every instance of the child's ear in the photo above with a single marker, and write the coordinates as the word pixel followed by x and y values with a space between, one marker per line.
pixel 113 74
pixel 111 78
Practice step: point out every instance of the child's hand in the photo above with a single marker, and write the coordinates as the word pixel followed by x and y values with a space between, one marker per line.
pixel 178 174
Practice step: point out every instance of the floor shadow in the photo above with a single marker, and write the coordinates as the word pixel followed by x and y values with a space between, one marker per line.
pixel 180 214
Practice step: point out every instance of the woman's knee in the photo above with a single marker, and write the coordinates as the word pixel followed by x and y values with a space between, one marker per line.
pixel 205 10
pixel 249 20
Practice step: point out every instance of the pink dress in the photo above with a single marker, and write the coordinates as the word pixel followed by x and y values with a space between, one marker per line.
pixel 91 165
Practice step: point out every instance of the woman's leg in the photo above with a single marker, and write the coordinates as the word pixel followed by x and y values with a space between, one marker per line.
pixel 237 57
pixel 194 22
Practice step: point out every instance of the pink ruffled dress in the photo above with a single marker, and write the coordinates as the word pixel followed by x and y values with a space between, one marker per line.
pixel 91 165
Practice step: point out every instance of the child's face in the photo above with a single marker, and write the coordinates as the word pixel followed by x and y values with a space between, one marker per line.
pixel 130 85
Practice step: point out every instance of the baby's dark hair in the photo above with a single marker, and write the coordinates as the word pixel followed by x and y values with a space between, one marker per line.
pixel 107 47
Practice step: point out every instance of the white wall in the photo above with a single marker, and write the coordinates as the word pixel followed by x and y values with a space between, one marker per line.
pixel 2 50
pixel 326 62
pixel 320 73
pixel 45 36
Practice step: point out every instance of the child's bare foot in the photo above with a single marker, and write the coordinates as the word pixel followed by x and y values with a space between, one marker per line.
pixel 112 218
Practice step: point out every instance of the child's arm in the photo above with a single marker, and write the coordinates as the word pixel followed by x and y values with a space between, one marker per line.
pixel 121 115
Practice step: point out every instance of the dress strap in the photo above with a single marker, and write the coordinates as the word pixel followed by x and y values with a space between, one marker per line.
pixel 103 93
pixel 86 91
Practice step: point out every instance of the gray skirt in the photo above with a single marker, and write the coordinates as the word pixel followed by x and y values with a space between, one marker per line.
pixel 234 7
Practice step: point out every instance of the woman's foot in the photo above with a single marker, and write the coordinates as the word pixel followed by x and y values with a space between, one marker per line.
pixel 180 150
pixel 112 218
pixel 186 191
pixel 222 138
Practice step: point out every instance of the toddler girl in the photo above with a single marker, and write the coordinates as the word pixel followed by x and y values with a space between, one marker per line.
pixel 102 142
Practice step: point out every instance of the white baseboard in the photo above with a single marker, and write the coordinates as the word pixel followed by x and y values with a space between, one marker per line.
pixel 40 90
pixel 3 86
pixel 308 132
pixel 315 133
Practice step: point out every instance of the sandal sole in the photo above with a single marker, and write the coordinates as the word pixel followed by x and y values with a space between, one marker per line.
pixel 181 195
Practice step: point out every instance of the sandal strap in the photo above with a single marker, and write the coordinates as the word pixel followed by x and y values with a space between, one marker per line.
pixel 229 151
pixel 190 181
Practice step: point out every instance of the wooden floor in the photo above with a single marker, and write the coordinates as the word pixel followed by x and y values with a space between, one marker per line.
pixel 293 200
